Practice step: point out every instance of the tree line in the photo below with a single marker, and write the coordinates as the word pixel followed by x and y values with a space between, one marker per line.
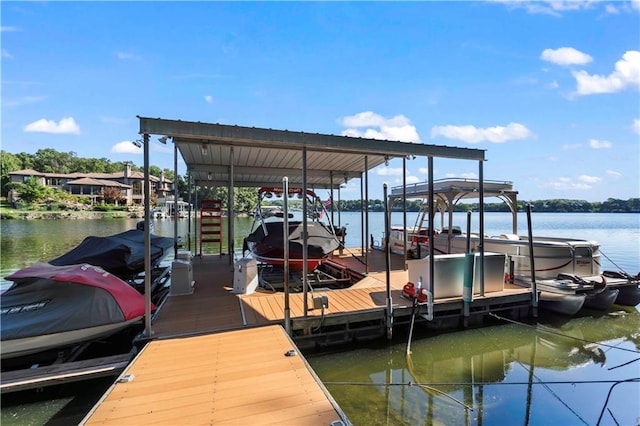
pixel 49 160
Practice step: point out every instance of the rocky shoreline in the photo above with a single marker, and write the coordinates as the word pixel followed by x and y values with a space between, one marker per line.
pixel 34 215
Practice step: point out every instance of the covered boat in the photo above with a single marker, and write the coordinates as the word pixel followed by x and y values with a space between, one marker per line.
pixel 266 241
pixel 120 254
pixel 53 307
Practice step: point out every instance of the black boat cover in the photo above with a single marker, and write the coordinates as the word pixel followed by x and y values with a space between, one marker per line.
pixel 120 254
pixel 320 241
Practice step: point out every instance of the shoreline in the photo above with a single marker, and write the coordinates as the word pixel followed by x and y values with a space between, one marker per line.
pixel 45 215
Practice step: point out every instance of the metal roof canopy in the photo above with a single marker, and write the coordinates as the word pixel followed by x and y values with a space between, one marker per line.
pixel 448 192
pixel 262 157
pixel 455 189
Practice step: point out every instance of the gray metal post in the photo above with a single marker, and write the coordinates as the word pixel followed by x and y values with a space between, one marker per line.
pixel 404 207
pixel 366 216
pixel 388 266
pixel 175 201
pixel 432 269
pixel 481 210
pixel 147 240
pixel 231 209
pixel 534 286
pixel 305 235
pixel 285 238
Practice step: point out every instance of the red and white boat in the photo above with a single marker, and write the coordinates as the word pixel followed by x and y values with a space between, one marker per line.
pixel 266 241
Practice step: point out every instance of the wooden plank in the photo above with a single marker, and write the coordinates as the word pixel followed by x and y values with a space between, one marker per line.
pixel 236 377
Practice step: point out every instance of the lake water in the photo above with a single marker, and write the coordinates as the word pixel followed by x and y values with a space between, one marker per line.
pixel 574 371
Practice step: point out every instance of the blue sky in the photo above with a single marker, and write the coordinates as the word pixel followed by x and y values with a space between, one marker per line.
pixel 549 89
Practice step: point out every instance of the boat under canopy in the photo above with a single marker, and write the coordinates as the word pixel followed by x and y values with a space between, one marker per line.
pixel 120 254
pixel 266 241
pixel 50 307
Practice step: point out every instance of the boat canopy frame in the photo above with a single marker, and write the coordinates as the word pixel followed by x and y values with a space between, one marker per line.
pixel 239 156
pixel 448 192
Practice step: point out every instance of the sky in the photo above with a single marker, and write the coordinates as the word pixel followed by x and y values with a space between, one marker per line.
pixel 549 89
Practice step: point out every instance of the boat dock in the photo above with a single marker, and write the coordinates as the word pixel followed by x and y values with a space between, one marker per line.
pixel 355 313
pixel 250 376
pixel 219 357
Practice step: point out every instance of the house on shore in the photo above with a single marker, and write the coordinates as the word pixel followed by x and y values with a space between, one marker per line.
pixel 92 185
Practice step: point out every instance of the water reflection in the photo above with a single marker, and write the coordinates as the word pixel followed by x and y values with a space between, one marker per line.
pixel 506 374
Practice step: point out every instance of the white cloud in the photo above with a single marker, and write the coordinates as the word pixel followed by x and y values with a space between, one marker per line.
pixel 589 179
pixel 565 56
pixel 6 54
pixel 413 179
pixel 626 74
pixel 462 175
pixel 635 126
pixel 126 147
pixel 389 171
pixel 472 134
pixel 373 126
pixel 208 99
pixel 371 119
pixel 8 29
pixel 557 7
pixel 565 183
pixel 614 174
pixel 598 144
pixel 67 126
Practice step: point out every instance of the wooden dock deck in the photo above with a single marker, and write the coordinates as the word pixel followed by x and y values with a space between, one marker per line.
pixel 219 357
pixel 212 307
pixel 238 377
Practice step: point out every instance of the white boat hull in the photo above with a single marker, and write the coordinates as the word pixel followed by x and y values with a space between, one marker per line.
pixel 552 256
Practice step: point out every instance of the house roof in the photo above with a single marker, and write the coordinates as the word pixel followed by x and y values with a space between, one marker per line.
pixel 98 182
pixel 27 172
pixel 78 175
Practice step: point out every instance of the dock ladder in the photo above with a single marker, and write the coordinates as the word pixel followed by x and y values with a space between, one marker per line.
pixel 211 223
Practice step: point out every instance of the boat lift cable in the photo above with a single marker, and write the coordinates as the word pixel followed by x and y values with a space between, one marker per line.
pixel 622 365
pixel 429 389
pixel 559 382
pixel 546 386
pixel 606 402
pixel 613 383
pixel 550 331
pixel 612 262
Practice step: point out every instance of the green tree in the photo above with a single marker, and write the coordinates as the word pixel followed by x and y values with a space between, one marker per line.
pixel 49 160
pixel 93 165
pixel 8 163
pixel 32 191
